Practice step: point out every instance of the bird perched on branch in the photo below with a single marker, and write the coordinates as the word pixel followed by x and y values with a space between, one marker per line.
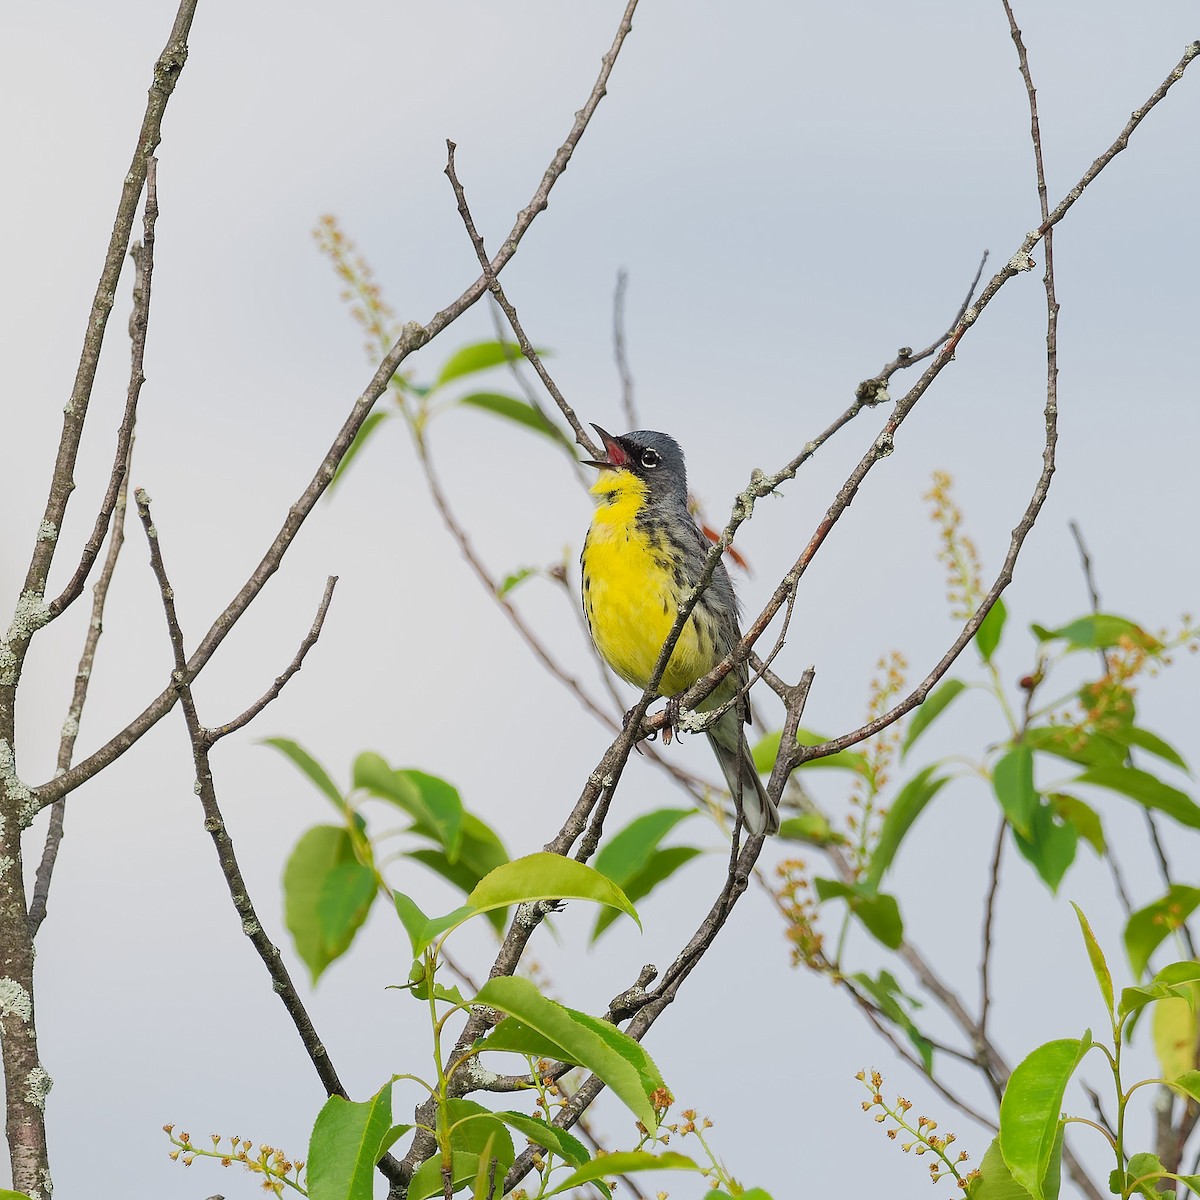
pixel 642 554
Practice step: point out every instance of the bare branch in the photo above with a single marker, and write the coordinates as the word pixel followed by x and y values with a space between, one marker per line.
pixel 985 995
pixel 510 313
pixel 214 823
pixel 70 730
pixel 214 735
pixel 166 73
pixel 619 355
pixel 139 321
pixel 874 390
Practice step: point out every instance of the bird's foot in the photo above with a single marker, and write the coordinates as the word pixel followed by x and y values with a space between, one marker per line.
pixel 671 712
pixel 626 719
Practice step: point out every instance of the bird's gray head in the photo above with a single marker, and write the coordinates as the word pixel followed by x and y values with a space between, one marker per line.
pixel 655 458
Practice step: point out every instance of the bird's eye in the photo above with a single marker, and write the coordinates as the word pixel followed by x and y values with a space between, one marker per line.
pixel 651 459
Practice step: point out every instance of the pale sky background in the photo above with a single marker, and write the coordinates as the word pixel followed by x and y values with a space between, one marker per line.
pixel 796 191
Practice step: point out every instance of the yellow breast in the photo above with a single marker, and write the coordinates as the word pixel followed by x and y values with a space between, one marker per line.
pixel 631 594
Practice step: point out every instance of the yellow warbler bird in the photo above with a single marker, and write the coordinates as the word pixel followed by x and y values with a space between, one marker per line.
pixel 642 553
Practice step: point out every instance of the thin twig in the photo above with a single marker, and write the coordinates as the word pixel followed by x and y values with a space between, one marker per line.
pixel 70 730
pixel 510 313
pixel 166 74
pixel 985 995
pixel 619 353
pixel 871 1013
pixel 874 390
pixel 139 322
pixel 214 735
pixel 1052 309
pixel 214 823
pixel 1164 866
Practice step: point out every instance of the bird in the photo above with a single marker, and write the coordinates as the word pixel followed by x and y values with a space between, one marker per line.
pixel 642 553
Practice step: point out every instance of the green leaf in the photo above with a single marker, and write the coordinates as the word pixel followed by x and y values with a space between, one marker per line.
pixel 427 1178
pixel 610 1055
pixel 365 430
pixel 987 636
pixel 327 895
pixel 1143 1171
pixel 1133 999
pixel 661 867
pixel 1096 958
pixel 516 1037
pixel 392 1136
pixel 996 1181
pixel 624 1162
pixel 935 704
pixel 474 1128
pixel 476 1136
pixel 878 912
pixel 1174 1036
pixel 479 356
pixel 480 851
pixel 1143 739
pixel 1147 927
pixel 309 765
pixel 1189 1082
pixel 411 917
pixel 887 994
pixel 483 1173
pixel 1050 848
pixel 540 876
pixel 1098 631
pixel 1012 781
pixel 568 1147
pixel 843 760
pixel 812 828
pixel 461 875
pixel 521 412
pixel 766 751
pixel 514 579
pixel 1030 1110
pixel 345 1146
pixel 628 1048
pixel 5 1194
pixel 627 852
pixel 904 810
pixel 434 804
pixel 1075 745
pixel 1085 819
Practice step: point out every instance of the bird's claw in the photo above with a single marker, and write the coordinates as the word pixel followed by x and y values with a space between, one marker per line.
pixel 671 714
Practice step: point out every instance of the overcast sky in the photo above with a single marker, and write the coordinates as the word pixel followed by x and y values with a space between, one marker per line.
pixel 795 191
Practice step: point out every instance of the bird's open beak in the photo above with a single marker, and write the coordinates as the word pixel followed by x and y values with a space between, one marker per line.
pixel 617 456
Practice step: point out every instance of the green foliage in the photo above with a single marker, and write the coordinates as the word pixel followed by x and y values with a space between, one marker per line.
pixel 622 1163
pixel 1147 928
pixel 612 1055
pixel 633 860
pixel 894 1004
pixel 879 913
pixel 535 877
pixel 991 629
pixel 327 895
pixel 935 704
pixel 1030 1111
pixel 346 1143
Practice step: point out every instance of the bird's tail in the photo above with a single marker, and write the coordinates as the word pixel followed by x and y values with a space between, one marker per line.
pixel 729 745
